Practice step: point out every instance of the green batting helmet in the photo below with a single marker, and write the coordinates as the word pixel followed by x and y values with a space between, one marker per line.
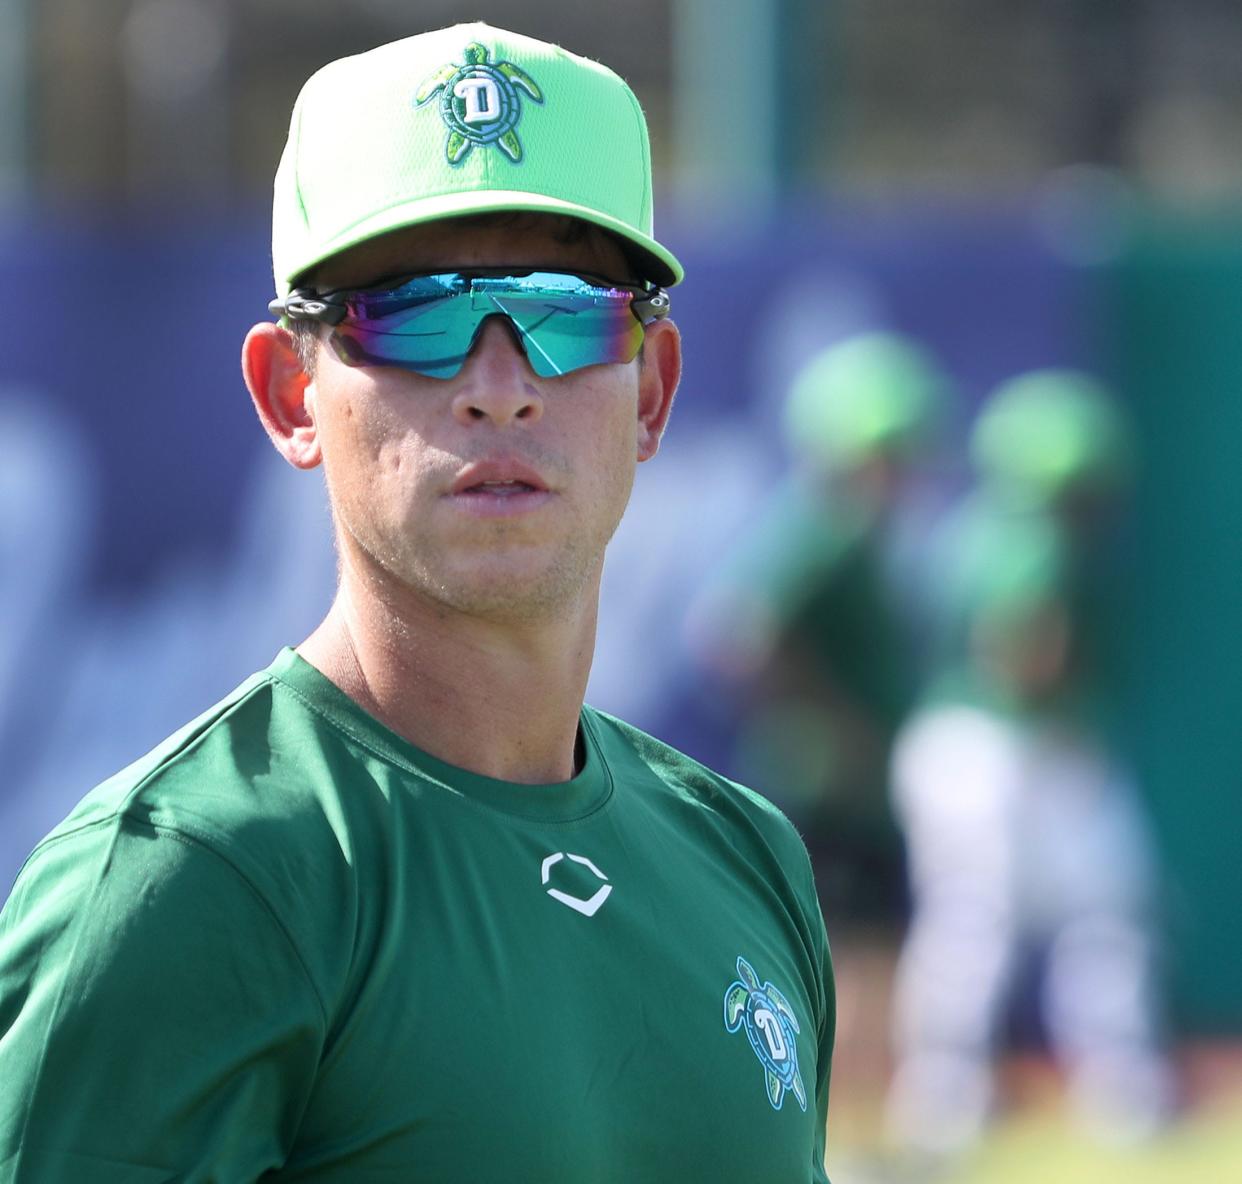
pixel 877 392
pixel 1047 431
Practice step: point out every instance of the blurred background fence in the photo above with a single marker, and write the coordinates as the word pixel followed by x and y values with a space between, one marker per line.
pixel 1013 183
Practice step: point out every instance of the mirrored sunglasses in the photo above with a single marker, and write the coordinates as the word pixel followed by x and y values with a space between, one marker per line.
pixel 429 323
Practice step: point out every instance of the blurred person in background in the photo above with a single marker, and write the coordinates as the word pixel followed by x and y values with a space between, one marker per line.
pixel 806 625
pixel 1024 836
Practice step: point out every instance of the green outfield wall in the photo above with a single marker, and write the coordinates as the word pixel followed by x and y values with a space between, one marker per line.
pixel 1171 314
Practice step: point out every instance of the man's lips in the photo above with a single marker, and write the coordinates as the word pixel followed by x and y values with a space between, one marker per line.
pixel 503 487
pixel 500 478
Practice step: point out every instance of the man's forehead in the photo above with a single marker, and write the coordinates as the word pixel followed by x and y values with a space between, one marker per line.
pixel 525 239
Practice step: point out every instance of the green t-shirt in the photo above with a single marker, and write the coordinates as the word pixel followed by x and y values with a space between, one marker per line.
pixel 1002 571
pixel 289 944
pixel 815 563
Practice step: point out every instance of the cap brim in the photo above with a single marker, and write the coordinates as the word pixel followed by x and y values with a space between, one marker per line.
pixel 660 265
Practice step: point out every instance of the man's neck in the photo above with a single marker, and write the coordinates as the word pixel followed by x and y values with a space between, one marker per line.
pixel 498 698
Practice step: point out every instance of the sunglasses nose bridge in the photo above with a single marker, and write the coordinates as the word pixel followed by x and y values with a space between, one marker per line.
pixel 498 323
pixel 509 326
pixel 496 382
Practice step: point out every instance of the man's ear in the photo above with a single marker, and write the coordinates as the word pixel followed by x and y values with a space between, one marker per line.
pixel 658 375
pixel 283 394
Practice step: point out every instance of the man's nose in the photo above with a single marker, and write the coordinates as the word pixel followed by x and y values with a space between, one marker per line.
pixel 497 383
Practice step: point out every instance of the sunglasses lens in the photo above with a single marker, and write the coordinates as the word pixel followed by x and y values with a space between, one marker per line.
pixel 412 326
pixel 430 323
pixel 564 335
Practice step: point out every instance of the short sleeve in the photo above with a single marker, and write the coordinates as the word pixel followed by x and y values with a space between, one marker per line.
pixel 156 1020
pixel 826 1034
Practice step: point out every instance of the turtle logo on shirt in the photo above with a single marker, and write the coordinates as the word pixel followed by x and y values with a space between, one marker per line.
pixel 772 1029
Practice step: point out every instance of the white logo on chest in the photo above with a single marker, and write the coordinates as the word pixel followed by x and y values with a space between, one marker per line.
pixel 588 906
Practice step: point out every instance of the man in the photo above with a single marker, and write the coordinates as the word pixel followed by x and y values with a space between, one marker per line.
pixel 1024 833
pixel 810 632
pixel 807 615
pixel 401 907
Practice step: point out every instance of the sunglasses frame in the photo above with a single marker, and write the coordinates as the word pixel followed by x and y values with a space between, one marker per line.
pixel 649 303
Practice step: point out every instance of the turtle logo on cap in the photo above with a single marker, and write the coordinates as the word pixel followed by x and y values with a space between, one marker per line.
pixel 479 103
pixel 772 1029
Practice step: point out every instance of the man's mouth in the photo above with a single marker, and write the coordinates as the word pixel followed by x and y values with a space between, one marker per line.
pixel 501 488
pixel 499 477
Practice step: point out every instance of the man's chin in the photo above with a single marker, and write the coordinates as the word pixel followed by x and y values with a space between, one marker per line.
pixel 520 590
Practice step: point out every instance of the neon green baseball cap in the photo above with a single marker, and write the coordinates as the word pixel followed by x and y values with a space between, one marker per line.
pixel 465 120
pixel 1047 430
pixel 870 393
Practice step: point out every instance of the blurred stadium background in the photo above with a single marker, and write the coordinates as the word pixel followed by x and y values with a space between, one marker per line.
pixel 1013 183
